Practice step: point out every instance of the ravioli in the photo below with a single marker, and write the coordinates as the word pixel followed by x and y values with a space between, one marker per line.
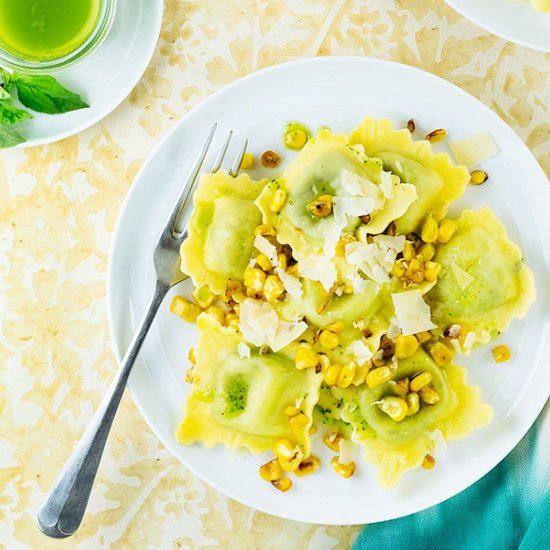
pixel 320 170
pixel 485 282
pixel 221 230
pixel 239 401
pixel 437 182
pixel 396 447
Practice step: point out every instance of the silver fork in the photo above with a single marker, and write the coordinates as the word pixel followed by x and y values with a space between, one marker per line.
pixel 63 508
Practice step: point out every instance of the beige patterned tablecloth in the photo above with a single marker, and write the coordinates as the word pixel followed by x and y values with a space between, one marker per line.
pixel 58 207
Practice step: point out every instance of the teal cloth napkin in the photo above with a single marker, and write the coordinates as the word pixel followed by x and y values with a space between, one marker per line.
pixel 509 508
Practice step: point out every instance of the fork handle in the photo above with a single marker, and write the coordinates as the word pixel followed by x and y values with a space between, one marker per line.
pixel 63 508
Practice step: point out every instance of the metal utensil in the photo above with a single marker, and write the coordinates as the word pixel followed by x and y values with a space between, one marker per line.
pixel 63 508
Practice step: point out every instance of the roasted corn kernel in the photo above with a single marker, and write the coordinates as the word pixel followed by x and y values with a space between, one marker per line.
pixel 248 161
pixel 378 376
pixel 254 278
pixel 347 373
pixel 447 229
pixel 441 354
pixel 436 135
pixel 405 346
pixel 424 336
pixel 306 358
pixel 283 484
pixel 298 422
pixel 421 380
pixel 430 230
pixel 184 309
pixel 345 470
pixel 191 356
pixel 332 440
pixel 273 288
pixel 232 320
pixel 413 403
pixel 234 291
pixel 321 206
pixel 189 375
pixel 400 387
pixel 427 251
pixel 411 126
pixel 428 395
pixel 270 159
pixel 398 269
pixel 312 429
pixel 263 262
pixel 289 455
pixel 477 177
pixel 217 312
pixel 428 463
pixel 501 353
pixel 270 471
pixel 203 296
pixel 408 251
pixel 308 466
pixel 265 230
pixel 415 270
pixel 337 327
pixel 329 339
pixel 282 261
pixel 277 201
pixel 291 410
pixel 332 374
pixel 295 139
pixel 395 407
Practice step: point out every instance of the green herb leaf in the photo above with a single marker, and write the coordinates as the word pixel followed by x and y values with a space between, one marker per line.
pixel 44 94
pixel 10 114
pixel 9 137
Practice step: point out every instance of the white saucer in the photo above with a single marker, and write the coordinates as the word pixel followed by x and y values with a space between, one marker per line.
pixel 107 76
pixel 517 21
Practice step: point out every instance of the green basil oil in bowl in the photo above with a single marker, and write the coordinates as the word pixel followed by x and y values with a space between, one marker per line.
pixel 43 35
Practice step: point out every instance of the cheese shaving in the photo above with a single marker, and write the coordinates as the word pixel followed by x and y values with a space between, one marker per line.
pixel 360 351
pixel 347 451
pixel 319 268
pixel 463 278
pixel 266 248
pixel 475 149
pixel 244 350
pixel 386 185
pixel 260 325
pixel 292 284
pixel 412 312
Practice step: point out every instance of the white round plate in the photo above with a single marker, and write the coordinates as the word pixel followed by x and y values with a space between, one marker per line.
pixel 514 20
pixel 107 76
pixel 337 92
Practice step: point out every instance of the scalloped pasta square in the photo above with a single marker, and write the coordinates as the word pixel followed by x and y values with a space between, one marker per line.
pixel 239 401
pixel 485 282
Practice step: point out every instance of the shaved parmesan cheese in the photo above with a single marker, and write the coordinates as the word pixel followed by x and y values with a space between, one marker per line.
pixel 412 312
pixel 474 149
pixel 352 206
pixel 394 330
pixel 292 284
pixel 360 351
pixel 244 350
pixel 319 268
pixel 347 451
pixel 260 325
pixel 266 248
pixel 399 167
pixel 386 185
pixel 463 278
pixel 395 243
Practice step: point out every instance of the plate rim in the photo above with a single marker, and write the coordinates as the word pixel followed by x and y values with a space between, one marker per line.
pixel 110 106
pixel 170 443
pixel 455 4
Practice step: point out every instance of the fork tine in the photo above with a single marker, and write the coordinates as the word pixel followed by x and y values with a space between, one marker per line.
pixel 218 162
pixel 170 225
pixel 238 160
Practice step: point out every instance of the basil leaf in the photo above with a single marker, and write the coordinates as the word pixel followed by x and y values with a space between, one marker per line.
pixel 9 137
pixel 10 114
pixel 44 94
